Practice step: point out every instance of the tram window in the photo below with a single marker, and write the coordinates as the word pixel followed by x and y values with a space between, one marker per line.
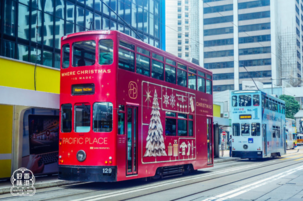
pixel 182 78
pixel 143 51
pixel 121 122
pixel 191 128
pixel 235 101
pixel 201 84
pixel 65 56
pixel 182 127
pixel 170 127
pixel 103 117
pixel 245 100
pixel 278 132
pixel 127 45
pixel 121 107
pixel 208 87
pixel 66 118
pixel 256 100
pixel 157 70
pixel 82 118
pixel 84 53
pixel 274 132
pixel 156 56
pixel 208 77
pixel 192 70
pixel 182 66
pixel 170 114
pixel 263 101
pixel 126 60
pixel 245 129
pixel 142 65
pixel 236 129
pixel 105 52
pixel 267 103
pixel 183 116
pixel 190 116
pixel 171 62
pixel 201 74
pixel 192 81
pixel 255 129
pixel 170 74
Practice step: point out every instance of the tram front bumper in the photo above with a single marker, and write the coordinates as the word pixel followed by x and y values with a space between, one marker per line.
pixel 88 173
pixel 247 154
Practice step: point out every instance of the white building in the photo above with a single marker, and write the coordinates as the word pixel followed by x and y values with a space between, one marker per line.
pixel 177 15
pixel 265 36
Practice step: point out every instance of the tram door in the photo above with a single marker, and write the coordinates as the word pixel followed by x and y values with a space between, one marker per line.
pixel 209 141
pixel 264 139
pixel 132 140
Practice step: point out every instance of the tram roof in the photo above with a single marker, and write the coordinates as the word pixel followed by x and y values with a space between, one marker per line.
pixel 139 42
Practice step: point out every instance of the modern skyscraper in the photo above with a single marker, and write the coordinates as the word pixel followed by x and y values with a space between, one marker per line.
pixel 264 36
pixel 56 18
pixel 177 27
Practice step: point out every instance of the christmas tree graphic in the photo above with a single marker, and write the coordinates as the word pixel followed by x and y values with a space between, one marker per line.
pixel 155 143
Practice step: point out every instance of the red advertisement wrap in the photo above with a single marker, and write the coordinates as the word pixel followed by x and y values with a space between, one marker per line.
pixel 125 123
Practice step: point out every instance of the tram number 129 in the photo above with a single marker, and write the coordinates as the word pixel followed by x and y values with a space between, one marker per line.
pixel 107 170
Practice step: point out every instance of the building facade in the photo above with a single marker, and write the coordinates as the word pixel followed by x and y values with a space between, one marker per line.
pixel 264 36
pixel 177 21
pixel 20 38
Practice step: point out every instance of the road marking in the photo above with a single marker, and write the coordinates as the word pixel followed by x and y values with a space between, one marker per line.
pixel 297 156
pixel 134 190
pixel 244 189
pixel 299 159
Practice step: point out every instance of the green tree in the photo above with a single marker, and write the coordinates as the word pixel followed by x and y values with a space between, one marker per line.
pixel 292 106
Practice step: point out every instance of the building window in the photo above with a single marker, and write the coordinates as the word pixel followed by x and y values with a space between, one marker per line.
pixel 210 32
pixel 186 28
pixel 186 54
pixel 186 47
pixel 179 3
pixel 179 55
pixel 253 4
pixel 224 53
pixel 254 39
pixel 186 34
pixel 179 16
pixel 186 15
pixel 223 76
pixel 256 74
pixel 223 87
pixel 217 20
pixel 258 50
pixel 210 43
pixel 251 16
pixel 186 8
pixel 186 21
pixel 254 27
pixel 186 41
pixel 179 48
pixel 179 42
pixel 219 65
pixel 256 62
pixel 179 28
pixel 179 22
pixel 179 9
pixel 179 35
pixel 216 9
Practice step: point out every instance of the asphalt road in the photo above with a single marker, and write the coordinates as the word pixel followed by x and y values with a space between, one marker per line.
pixel 270 180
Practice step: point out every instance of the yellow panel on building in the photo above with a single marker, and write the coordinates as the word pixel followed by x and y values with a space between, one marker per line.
pixel 21 75
pixel 216 110
pixel 6 133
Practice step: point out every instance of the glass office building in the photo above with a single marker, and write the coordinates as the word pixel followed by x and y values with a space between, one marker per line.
pixel 31 30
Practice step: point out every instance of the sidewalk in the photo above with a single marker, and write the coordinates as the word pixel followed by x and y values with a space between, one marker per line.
pixel 225 157
pixel 53 181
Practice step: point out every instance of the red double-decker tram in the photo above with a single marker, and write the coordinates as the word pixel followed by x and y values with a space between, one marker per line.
pixel 130 110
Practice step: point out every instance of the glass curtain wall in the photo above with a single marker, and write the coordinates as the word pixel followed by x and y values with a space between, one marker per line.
pixel 31 30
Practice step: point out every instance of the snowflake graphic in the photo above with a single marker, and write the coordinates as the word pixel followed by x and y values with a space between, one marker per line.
pixel 172 100
pixel 166 98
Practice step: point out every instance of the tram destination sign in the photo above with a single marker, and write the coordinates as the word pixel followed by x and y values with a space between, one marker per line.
pixel 83 89
pixel 245 116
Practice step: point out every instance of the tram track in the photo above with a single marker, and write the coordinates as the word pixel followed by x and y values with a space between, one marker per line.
pixel 218 174
pixel 217 187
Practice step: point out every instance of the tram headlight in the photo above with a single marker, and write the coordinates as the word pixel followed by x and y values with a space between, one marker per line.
pixel 81 155
pixel 259 152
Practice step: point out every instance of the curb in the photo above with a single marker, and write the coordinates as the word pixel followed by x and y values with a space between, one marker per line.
pixel 40 185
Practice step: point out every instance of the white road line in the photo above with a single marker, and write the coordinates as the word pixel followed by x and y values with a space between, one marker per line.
pixel 241 190
pixel 134 190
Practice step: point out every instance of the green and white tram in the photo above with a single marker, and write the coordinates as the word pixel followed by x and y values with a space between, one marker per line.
pixel 258 123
